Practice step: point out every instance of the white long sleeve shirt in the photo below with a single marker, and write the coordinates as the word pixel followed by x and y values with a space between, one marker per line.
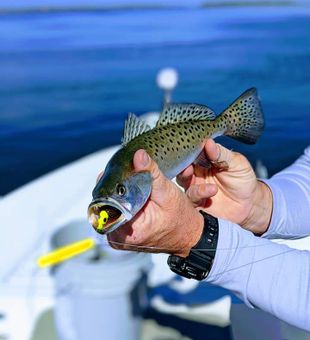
pixel 264 274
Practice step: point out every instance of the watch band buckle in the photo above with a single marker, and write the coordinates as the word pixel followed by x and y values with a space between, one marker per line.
pixel 181 267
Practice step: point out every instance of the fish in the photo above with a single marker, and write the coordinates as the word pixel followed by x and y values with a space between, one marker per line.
pixel 174 143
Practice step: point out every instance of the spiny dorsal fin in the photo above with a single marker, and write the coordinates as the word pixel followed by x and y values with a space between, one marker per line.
pixel 176 113
pixel 133 128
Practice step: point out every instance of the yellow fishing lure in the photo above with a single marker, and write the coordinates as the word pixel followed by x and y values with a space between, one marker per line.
pixel 102 220
pixel 73 249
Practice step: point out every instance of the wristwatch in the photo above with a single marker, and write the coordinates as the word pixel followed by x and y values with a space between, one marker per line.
pixel 198 263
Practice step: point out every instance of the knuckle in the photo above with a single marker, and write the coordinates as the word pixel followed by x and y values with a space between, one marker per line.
pixel 156 173
pixel 191 194
pixel 238 156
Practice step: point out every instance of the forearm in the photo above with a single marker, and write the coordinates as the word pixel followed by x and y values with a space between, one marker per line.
pixel 269 276
pixel 291 196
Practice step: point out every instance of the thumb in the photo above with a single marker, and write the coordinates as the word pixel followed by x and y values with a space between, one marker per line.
pixel 218 153
pixel 226 159
pixel 143 162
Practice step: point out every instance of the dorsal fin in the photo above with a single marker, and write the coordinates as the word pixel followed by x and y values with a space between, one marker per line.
pixel 133 128
pixel 176 113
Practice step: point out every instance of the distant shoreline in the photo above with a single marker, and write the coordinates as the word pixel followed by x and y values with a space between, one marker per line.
pixel 96 9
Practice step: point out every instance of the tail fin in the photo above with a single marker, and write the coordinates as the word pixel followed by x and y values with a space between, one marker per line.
pixel 244 118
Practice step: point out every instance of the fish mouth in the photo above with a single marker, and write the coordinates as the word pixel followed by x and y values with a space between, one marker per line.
pixel 106 215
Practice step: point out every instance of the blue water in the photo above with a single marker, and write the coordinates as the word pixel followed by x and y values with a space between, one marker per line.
pixel 68 80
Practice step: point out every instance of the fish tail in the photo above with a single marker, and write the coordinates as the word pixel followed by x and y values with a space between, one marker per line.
pixel 244 118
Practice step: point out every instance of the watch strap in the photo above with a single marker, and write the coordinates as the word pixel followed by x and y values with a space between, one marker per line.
pixel 198 263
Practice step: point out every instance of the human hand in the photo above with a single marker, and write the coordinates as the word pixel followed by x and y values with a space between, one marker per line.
pixel 168 222
pixel 229 190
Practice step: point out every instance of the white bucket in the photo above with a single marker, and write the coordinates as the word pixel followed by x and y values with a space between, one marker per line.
pixel 98 298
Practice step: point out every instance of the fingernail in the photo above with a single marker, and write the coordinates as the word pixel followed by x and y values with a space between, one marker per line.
pixel 145 159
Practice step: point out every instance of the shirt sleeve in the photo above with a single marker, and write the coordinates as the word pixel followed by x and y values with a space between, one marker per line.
pixel 291 196
pixel 264 274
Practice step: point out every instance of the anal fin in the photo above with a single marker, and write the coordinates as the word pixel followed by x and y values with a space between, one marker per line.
pixel 222 166
pixel 203 161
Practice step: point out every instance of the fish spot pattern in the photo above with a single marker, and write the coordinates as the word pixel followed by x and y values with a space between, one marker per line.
pixel 176 113
pixel 244 118
pixel 182 126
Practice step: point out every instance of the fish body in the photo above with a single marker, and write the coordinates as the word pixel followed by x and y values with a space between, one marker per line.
pixel 174 143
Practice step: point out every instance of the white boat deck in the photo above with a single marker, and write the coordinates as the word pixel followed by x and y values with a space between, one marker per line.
pixel 28 217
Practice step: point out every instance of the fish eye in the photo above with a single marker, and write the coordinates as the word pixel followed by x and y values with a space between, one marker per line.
pixel 120 189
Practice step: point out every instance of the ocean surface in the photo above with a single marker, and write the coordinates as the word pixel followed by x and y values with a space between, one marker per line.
pixel 68 80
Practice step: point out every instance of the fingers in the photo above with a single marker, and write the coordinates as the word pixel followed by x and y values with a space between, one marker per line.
pixel 197 193
pixel 185 178
pixel 219 156
pixel 117 239
pixel 143 162
pixel 218 153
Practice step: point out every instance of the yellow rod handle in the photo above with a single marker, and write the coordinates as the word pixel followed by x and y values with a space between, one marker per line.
pixel 65 253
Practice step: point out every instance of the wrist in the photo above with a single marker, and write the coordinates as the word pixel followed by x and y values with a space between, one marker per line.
pixel 195 228
pixel 259 217
pixel 197 265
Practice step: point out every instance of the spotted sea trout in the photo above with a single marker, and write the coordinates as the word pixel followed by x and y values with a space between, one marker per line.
pixel 174 143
